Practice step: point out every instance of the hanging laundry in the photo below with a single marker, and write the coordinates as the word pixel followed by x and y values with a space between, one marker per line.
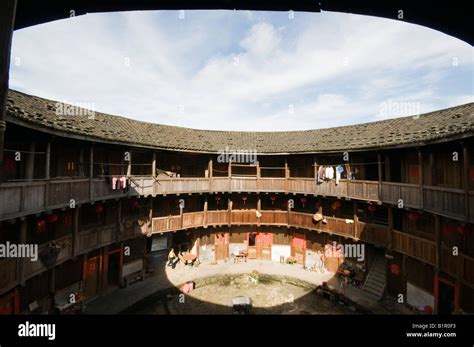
pixel 329 173
pixel 321 174
pixel 114 182
pixel 339 171
pixel 348 171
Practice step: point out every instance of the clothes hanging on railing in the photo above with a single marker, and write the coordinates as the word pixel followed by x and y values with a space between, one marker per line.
pixel 119 182
pixel 329 172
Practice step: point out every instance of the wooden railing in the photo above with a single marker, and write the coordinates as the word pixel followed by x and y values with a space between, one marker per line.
pixel 408 194
pixel 414 246
pixel 96 237
pixel 446 201
pixel 8 274
pixel 460 265
pixel 22 198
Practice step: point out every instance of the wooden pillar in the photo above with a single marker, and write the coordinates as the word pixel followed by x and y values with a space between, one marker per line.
pixel 47 163
pixel 379 169
pixel 7 20
pixel 229 169
pixel 81 168
pixel 119 220
pixel 91 172
pixel 387 168
pixel 356 227
pixel 229 209
pixel 390 227
pixel 75 231
pixel 432 169
pixel 129 163
pixel 209 166
pixel 30 162
pixel 315 169
pixel 438 241
pixel 206 206
pixel 21 261
pixel 466 165
pixel 420 178
pixel 153 165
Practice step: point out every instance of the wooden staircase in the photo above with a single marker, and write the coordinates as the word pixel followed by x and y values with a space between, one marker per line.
pixel 375 281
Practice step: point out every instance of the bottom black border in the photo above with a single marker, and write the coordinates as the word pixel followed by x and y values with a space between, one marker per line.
pixel 212 330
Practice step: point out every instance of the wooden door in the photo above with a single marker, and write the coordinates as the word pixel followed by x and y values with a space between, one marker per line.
pixel 298 247
pixel 222 246
pixel 252 245
pixel 264 245
pixel 91 277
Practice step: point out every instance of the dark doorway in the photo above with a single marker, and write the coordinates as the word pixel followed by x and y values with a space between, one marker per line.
pixel 445 298
pixel 113 271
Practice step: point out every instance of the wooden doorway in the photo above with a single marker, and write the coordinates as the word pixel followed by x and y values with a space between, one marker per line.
pixel 91 277
pixel 252 245
pixel 113 268
pixel 222 246
pixel 446 296
pixel 298 247
pixel 264 245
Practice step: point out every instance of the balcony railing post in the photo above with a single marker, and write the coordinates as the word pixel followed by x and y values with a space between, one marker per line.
pixel 153 165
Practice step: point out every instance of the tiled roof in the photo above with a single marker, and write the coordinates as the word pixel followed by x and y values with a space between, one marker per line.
pixel 444 124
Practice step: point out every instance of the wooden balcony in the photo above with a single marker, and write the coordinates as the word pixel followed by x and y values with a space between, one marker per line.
pixel 409 194
pixel 22 198
pixel 96 237
pixel 414 246
pixel 461 265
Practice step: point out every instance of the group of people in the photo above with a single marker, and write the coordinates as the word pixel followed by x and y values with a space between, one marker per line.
pixel 174 259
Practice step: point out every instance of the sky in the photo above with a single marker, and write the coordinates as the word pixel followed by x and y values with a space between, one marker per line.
pixel 244 70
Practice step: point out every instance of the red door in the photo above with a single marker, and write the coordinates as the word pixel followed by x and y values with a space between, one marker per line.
pixel 298 247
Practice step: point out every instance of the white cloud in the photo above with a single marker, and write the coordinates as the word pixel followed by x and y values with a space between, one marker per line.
pixel 239 71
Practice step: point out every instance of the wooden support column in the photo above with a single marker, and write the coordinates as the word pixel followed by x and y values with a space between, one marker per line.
pixel 119 220
pixel 210 168
pixel 153 165
pixel 30 162
pixel 438 241
pixel 420 178
pixel 432 169
pixel 315 169
pixel 379 169
pixel 287 175
pixel 91 172
pixel 7 20
pixel 229 173
pixel 387 168
pixel 47 161
pixel 466 165
pixel 229 209
pixel 21 261
pixel 129 163
pixel 81 168
pixel 390 227
pixel 206 206
pixel 47 172
pixel 259 207
pixel 356 228
pixel 75 231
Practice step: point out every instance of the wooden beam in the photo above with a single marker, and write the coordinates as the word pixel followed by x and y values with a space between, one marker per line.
pixel 387 167
pixel 153 165
pixel 7 21
pixel 47 161
pixel 420 178
pixel 30 162
pixel 466 164
pixel 91 171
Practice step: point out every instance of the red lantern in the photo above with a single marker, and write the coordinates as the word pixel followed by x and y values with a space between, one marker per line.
pixel 53 218
pixel 447 230
pixel 395 269
pixel 273 199
pixel 244 198
pixel 99 209
pixel 135 204
pixel 371 208
pixel 414 216
pixel 336 205
pixel 67 220
pixel 462 230
pixel 218 199
pixel 303 201
pixel 40 226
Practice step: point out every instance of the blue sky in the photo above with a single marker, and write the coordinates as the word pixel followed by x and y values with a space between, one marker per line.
pixel 241 70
